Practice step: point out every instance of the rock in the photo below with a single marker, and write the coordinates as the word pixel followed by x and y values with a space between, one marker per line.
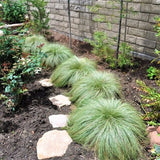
pixel 53 144
pixel 60 101
pixel 45 83
pixel 2 137
pixel 153 136
pixel 158 129
pixel 59 120
pixel 151 128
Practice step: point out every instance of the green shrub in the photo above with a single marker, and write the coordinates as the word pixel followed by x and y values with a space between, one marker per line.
pixel 71 71
pixel 56 54
pixel 125 60
pixel 152 72
pixel 151 95
pixel 14 11
pixel 97 84
pixel 40 18
pixel 14 82
pixel 150 100
pixel 10 50
pixel 31 43
pixel 101 44
pixel 111 128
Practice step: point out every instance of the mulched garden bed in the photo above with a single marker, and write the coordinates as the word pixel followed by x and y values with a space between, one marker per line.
pixel 20 130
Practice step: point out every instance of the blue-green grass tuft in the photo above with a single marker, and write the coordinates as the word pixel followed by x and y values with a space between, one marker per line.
pixel 97 84
pixel 72 71
pixel 113 129
pixel 56 54
pixel 31 43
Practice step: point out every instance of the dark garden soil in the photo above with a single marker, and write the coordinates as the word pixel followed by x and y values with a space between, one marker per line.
pixel 20 130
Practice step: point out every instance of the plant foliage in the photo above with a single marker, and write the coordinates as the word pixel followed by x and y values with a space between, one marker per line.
pixel 151 95
pixel 152 72
pixel 150 99
pixel 97 84
pixel 40 16
pixel 14 11
pixel 101 44
pixel 32 42
pixel 72 71
pixel 124 60
pixel 111 128
pixel 15 80
pixel 56 54
pixel 10 50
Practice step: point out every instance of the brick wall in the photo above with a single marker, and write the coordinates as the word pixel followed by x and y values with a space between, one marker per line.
pixel 140 33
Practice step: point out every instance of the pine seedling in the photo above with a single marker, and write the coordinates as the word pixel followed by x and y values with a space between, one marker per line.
pixel 113 129
pixel 72 71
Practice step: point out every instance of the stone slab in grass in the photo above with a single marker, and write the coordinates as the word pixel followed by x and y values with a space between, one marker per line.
pixel 60 101
pixel 53 144
pixel 58 121
pixel 45 83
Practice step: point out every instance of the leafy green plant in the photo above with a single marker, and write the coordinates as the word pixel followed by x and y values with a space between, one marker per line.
pixel 72 71
pixel 157 25
pixel 124 60
pixel 101 44
pixel 40 16
pixel 151 96
pixel 14 11
pixel 113 129
pixel 152 72
pixel 1 13
pixel 157 29
pixel 16 79
pixel 10 50
pixel 156 152
pixel 96 84
pixel 31 43
pixel 56 54
pixel 151 99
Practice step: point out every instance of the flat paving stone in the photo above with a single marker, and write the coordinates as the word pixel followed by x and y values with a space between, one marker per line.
pixel 60 101
pixel 45 83
pixel 53 144
pixel 58 121
pixel 153 136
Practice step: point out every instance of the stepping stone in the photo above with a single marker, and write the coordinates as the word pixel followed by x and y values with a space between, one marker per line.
pixel 53 144
pixel 153 136
pixel 59 120
pixel 45 83
pixel 158 129
pixel 60 101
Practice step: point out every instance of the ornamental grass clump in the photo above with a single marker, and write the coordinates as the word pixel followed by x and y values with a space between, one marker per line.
pixel 56 54
pixel 113 129
pixel 97 84
pixel 72 71
pixel 31 43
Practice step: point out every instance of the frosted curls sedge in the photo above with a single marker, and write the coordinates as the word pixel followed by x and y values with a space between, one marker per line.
pixel 1 33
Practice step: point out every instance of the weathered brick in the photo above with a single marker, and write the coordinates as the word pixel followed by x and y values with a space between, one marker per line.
pixel 145 42
pixel 136 32
pixel 145 26
pixel 134 6
pixel 140 33
pixel 146 8
pixel 74 14
pixel 131 39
